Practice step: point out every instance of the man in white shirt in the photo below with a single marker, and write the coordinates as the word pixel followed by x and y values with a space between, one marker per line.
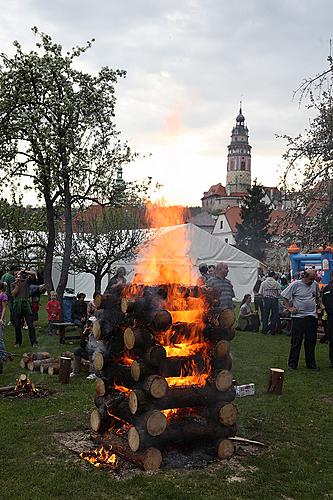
pixel 300 298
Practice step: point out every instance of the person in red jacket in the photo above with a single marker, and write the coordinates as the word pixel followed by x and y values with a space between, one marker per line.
pixel 53 309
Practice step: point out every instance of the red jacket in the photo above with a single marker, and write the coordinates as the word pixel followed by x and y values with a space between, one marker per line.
pixel 53 309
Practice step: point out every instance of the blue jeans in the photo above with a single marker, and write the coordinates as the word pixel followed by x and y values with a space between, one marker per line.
pixel 2 344
pixel 271 310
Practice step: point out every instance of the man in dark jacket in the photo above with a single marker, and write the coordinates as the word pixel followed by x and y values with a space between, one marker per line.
pixel 328 304
pixel 79 311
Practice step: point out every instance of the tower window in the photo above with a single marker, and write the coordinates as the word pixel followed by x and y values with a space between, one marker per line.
pixel 242 165
pixel 226 240
pixel 221 224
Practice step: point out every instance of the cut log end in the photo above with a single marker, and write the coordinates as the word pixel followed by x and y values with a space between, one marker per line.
pixel 225 449
pixel 129 338
pixel 133 437
pixel 222 349
pixel 152 459
pixel 100 387
pixel 95 420
pixel 96 330
pixel 223 380
pixel 156 423
pixel 227 318
pixel 228 414
pixel 156 386
pixel 98 361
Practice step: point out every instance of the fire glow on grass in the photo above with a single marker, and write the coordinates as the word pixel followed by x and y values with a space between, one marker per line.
pixel 101 457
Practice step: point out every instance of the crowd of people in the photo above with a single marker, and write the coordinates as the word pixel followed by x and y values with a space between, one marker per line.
pixel 281 304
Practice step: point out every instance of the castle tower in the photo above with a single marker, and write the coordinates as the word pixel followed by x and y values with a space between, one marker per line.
pixel 239 158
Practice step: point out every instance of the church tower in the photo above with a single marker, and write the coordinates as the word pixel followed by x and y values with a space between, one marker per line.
pixel 239 158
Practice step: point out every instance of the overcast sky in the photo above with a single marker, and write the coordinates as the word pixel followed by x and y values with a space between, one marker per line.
pixel 188 64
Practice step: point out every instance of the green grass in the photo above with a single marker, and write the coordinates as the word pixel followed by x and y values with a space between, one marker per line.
pixel 297 427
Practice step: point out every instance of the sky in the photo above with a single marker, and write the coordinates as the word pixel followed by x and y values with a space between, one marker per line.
pixel 188 63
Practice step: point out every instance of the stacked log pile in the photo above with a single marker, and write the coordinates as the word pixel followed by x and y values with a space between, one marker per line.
pixel 43 362
pixel 163 381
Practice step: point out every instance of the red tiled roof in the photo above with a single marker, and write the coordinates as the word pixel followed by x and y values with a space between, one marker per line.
pixel 215 190
pixel 277 224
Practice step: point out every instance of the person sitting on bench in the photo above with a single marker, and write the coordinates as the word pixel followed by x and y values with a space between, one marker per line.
pixel 248 320
pixel 79 311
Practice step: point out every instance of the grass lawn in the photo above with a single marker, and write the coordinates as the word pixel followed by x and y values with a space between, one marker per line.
pixel 297 427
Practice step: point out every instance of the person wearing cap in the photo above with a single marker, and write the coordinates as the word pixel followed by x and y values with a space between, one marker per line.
pixel 300 298
pixel 203 278
pixel 79 310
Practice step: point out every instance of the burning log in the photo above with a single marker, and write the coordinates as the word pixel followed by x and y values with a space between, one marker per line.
pixel 224 363
pixel 216 333
pixel 148 460
pixel 170 367
pixel 179 397
pixel 115 374
pixel 180 432
pixel 153 422
pixel 227 318
pixel 155 355
pixel 64 369
pixel 222 349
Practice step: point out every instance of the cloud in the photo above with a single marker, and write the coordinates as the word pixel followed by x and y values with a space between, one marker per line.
pixel 188 64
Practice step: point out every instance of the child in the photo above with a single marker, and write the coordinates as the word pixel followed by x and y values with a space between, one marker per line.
pixel 53 309
pixel 3 307
pixel 87 349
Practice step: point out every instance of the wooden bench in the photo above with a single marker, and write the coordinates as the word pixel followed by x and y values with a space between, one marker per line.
pixel 62 326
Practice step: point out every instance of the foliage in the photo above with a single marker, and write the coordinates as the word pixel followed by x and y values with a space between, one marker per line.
pixel 252 234
pixel 57 133
pixel 104 238
pixel 309 163
pixel 23 237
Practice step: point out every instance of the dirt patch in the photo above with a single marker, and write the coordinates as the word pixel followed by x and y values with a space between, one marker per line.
pixel 327 399
pixel 173 459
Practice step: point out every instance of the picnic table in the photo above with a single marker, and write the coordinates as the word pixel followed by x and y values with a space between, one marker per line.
pixel 62 326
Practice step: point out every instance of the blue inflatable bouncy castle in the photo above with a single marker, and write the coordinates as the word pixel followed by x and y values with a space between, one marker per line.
pixel 322 260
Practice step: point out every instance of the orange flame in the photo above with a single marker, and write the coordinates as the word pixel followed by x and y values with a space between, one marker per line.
pixel 122 388
pixel 101 457
pixel 174 414
pixel 25 386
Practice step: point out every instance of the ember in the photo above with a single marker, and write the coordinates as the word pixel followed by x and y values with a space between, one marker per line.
pixel 23 388
pixel 165 379
pixel 101 458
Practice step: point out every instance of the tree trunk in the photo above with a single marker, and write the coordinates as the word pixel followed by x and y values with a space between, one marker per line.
pixel 51 238
pixel 98 282
pixel 68 240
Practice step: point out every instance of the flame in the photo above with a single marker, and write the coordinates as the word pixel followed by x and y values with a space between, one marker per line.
pixel 118 426
pixel 124 360
pixel 188 307
pixel 175 414
pixel 191 375
pixel 101 457
pixel 122 388
pixel 25 386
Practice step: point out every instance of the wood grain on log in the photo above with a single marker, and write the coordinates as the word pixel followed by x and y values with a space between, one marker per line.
pixel 137 338
pixel 275 383
pixel 223 380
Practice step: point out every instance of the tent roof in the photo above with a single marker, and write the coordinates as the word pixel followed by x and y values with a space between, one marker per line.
pixel 201 247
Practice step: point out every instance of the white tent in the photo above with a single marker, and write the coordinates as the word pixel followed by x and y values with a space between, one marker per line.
pixel 201 247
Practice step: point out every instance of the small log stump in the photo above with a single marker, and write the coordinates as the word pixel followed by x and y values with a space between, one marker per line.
pixel 64 369
pixel 275 382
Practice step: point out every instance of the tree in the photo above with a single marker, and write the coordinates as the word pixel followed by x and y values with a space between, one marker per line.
pixel 252 234
pixel 57 132
pixel 309 163
pixel 102 239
